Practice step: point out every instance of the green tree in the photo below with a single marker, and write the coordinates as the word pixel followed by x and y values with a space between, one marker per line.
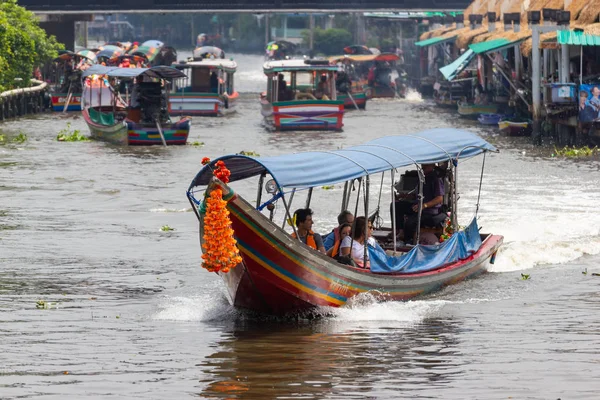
pixel 23 45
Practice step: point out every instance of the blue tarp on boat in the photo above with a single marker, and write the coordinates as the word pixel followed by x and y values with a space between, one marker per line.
pixel 311 169
pixel 460 246
pixel 450 71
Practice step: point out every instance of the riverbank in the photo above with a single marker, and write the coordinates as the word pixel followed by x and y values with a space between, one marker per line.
pixel 19 102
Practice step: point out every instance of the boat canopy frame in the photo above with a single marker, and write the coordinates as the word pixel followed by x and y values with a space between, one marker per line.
pixel 442 145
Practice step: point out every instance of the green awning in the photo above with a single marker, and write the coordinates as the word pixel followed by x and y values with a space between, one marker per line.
pixel 450 71
pixel 577 38
pixel 435 40
pixel 493 45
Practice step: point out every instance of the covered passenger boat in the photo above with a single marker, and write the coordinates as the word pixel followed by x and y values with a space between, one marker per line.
pixel 129 106
pixel 377 74
pixel 301 95
pixel 208 88
pixel 278 274
pixel 65 90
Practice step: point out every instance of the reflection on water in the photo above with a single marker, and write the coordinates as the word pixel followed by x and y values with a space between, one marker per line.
pixel 325 360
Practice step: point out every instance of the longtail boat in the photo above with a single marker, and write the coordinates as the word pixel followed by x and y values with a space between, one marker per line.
pixel 278 274
pixel 515 127
pixel 286 106
pixel 195 95
pixel 65 91
pixel 473 110
pixel 137 116
pixel 358 65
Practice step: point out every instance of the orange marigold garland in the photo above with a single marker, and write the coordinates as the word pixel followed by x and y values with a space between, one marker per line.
pixel 220 252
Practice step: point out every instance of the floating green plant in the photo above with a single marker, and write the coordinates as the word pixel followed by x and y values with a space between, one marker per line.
pixel 249 153
pixel 2 138
pixel 44 305
pixel 196 144
pixel 327 187
pixel 524 276
pixel 576 152
pixel 20 138
pixel 166 228
pixel 68 135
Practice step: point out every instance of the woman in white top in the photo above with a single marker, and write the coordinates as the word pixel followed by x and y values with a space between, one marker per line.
pixel 357 242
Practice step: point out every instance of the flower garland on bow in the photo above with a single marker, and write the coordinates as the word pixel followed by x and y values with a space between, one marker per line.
pixel 220 252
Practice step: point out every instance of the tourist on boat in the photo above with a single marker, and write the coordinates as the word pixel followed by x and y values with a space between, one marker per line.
pixel 283 92
pixel 431 215
pixel 343 83
pixel 345 217
pixel 214 82
pixel 344 230
pixel 134 102
pixel 304 223
pixel 322 92
pixel 356 242
pixel 586 111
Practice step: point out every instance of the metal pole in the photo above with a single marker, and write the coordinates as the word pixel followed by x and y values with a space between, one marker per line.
pixel 366 241
pixel 267 36
pixel 192 30
pixel 309 197
pixel 564 53
pixel 85 34
pixel 518 62
pixel 581 65
pixel 311 27
pixel 535 81
pixel 393 212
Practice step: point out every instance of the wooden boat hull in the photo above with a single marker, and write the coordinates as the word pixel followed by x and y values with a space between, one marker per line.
pixel 473 110
pixel 513 128
pixel 60 99
pixel 201 104
pixel 359 98
pixel 279 275
pixel 304 115
pixel 131 133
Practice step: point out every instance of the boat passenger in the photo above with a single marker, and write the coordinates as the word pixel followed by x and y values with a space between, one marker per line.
pixel 481 96
pixel 344 230
pixel 342 81
pixel 214 82
pixel 356 242
pixel 431 215
pixel 322 92
pixel 304 222
pixel 283 92
pixel 333 236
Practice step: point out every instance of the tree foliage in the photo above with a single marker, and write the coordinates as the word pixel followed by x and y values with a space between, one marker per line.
pixel 23 45
pixel 328 41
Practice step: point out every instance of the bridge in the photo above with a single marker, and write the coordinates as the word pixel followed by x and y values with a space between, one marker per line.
pixel 251 6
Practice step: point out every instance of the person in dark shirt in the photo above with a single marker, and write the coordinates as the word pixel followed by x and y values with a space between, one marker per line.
pixel 214 82
pixel 431 215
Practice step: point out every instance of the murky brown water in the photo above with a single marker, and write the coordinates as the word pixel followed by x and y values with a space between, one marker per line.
pixel 131 314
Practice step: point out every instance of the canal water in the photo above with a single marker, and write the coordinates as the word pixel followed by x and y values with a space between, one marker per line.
pixel 96 301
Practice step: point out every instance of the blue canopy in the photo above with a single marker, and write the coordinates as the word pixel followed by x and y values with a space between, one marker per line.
pixel 311 169
pixel 160 72
pixel 450 71
pixel 427 258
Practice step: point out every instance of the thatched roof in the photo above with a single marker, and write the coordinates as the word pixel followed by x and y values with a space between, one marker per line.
pixel 437 32
pixel 509 35
pixel 465 38
pixel 527 45
pixel 589 14
pixel 455 32
pixel 593 29
pixel 575 7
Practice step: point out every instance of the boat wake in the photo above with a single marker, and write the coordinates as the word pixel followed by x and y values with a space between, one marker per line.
pixel 413 96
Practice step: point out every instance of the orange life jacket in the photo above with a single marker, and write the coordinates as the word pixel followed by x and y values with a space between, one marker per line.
pixel 310 239
pixel 336 241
